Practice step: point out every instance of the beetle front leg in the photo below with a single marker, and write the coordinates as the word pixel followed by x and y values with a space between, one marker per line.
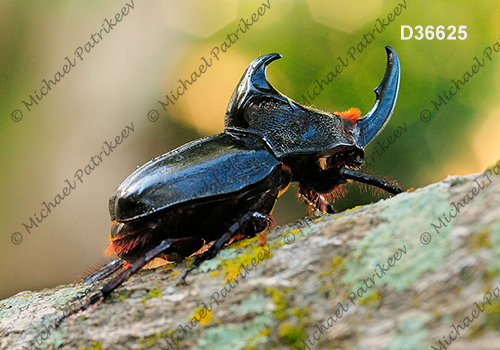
pixel 317 186
pixel 349 174
pixel 233 230
pixel 316 201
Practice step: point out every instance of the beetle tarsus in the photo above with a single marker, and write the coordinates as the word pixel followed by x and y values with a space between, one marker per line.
pixel 93 299
pixel 316 201
pixel 122 277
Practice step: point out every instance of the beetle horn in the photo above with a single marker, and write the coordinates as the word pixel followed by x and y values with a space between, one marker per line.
pixel 253 83
pixel 387 93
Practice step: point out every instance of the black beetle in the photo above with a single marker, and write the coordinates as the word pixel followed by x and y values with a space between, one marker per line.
pixel 226 185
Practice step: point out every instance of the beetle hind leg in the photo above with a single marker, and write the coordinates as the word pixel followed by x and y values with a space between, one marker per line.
pixel 260 220
pixel 105 271
pixel 122 277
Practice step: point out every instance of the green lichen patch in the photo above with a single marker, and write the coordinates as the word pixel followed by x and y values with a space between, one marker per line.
pixel 254 304
pixel 123 294
pixel 478 240
pixel 280 301
pixel 61 296
pixel 492 319
pixel 95 346
pixel 251 257
pixel 330 277
pixel 243 243
pixel 334 268
pixel 246 335
pixel 291 330
pixel 150 341
pixel 374 299
pixel 494 262
pixel 227 253
pixel 153 293
pixel 291 334
pixel 410 333
pixel 236 337
pixel 399 233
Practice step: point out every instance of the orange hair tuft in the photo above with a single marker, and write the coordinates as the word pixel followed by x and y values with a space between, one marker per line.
pixel 352 115
pixel 109 250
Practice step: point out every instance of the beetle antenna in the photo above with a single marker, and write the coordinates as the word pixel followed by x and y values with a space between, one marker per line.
pixel 121 278
pixel 349 174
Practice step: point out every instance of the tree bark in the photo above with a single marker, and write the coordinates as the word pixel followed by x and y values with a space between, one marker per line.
pixel 416 271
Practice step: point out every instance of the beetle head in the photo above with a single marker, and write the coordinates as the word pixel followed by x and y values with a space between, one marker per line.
pixel 290 128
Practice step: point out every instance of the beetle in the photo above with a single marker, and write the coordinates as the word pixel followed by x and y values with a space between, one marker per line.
pixel 225 185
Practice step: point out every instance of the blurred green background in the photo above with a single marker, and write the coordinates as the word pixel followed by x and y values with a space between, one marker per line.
pixel 159 42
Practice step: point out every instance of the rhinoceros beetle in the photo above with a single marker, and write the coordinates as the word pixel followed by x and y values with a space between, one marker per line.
pixel 225 186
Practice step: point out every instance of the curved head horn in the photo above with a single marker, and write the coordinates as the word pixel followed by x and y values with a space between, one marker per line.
pixel 387 93
pixel 253 83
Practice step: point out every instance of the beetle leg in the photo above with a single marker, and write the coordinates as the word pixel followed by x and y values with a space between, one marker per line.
pixel 122 277
pixel 349 174
pixel 316 201
pixel 233 230
pixel 263 219
pixel 106 271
